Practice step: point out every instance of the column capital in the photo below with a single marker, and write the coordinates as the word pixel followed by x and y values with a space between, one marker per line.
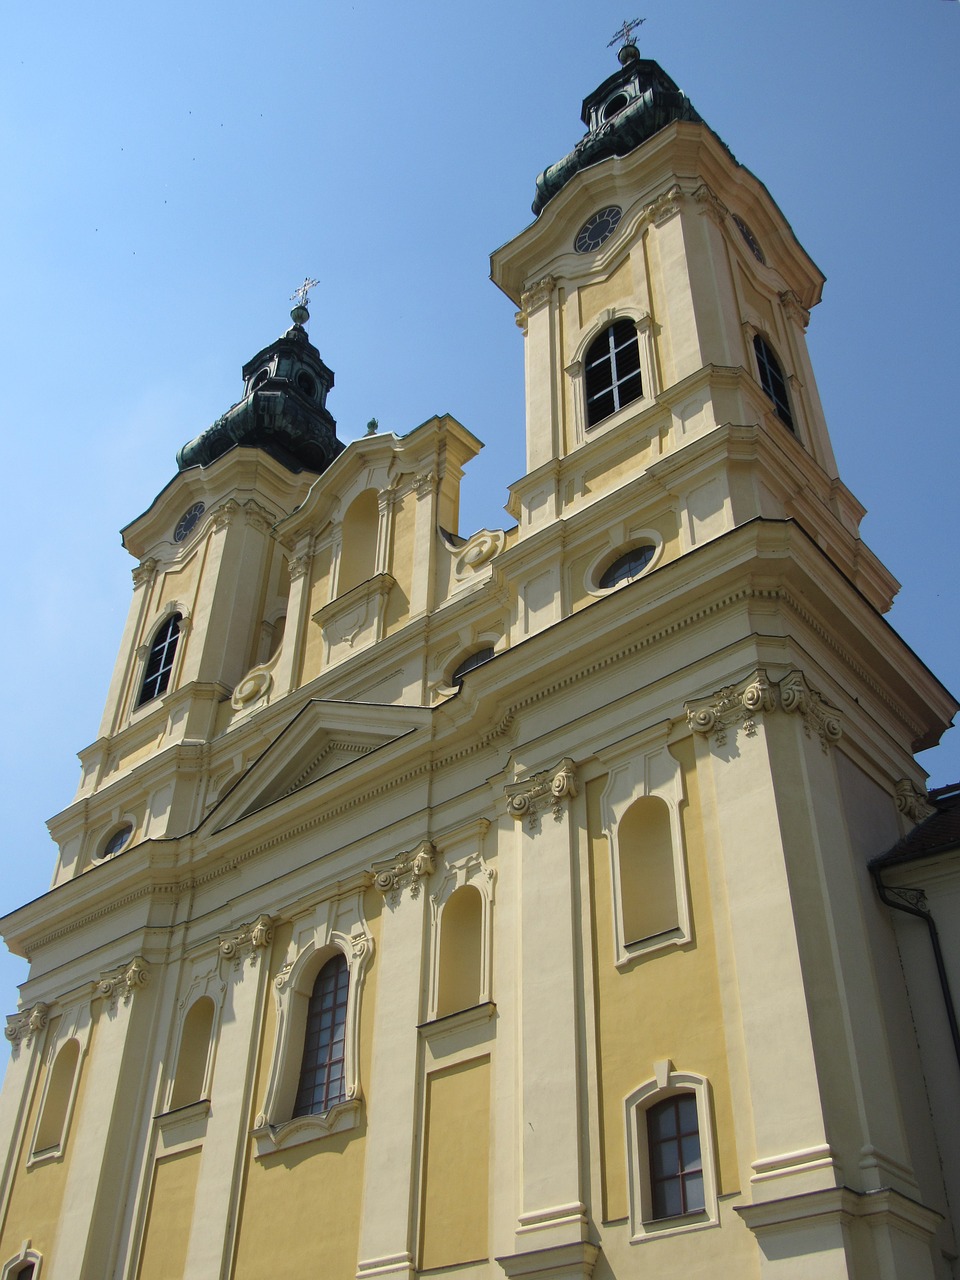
pixel 526 799
pixel 26 1025
pixel 740 705
pixel 406 869
pixel 247 942
pixel 121 983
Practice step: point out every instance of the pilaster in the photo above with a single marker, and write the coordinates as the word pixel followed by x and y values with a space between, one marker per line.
pixel 287 671
pixel 389 1179
pixel 243 969
pixel 542 360
pixel 552 1225
pixel 26 1033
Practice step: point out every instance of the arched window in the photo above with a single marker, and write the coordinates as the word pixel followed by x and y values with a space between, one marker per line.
pixel 192 1057
pixel 160 662
pixel 56 1102
pixel 612 371
pixel 358 553
pixel 676 1165
pixel 773 381
pixel 461 951
pixel 322 1069
pixel 648 887
pixel 469 664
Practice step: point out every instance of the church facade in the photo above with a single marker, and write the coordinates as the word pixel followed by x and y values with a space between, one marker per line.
pixel 500 904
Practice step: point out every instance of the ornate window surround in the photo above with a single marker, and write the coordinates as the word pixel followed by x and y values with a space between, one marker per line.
pixel 619 542
pixel 666 1083
pixel 469 870
pixel 140 709
pixel 652 771
pixel 315 941
pixel 576 371
pixel 74 1024
pixel 13 1266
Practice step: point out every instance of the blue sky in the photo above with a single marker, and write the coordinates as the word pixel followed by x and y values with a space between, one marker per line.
pixel 172 172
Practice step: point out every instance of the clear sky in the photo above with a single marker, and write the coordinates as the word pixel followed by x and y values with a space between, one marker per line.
pixel 171 172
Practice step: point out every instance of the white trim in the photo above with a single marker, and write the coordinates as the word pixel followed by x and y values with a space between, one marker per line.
pixel 473 871
pixel 614 550
pixel 667 1083
pixel 26 1254
pixel 656 773
pixel 74 1024
pixel 575 370
pixel 315 942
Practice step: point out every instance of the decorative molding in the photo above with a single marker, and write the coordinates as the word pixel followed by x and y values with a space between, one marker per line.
pixel 794 308
pixel 538 294
pixel 526 800
pixel 247 942
pixel 121 983
pixel 254 685
pixel 818 716
pixel 226 513
pixel 665 206
pixel 710 204
pixel 257 516
pixel 478 550
pixel 733 705
pixel 424 483
pixel 26 1025
pixel 409 868
pixel 144 573
pixel 298 565
pixel 911 801
pixel 741 704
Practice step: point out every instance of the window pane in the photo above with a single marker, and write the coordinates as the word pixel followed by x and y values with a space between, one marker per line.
pixel 322 1070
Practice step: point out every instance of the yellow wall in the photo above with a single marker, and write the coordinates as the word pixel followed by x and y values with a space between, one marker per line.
pixel 309 1197
pixel 401 563
pixel 456 1164
pixel 37 1196
pixel 665 1005
pixel 170 1216
pixel 319 596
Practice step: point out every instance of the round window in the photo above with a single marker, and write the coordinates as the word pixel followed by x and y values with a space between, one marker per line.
pixel 626 567
pixel 117 841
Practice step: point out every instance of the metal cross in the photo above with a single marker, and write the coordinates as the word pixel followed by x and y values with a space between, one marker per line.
pixel 302 294
pixel 624 32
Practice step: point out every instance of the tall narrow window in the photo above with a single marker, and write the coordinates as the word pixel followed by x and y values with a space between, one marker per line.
pixel 676 1166
pixel 773 381
pixel 160 662
pixel 321 1072
pixel 192 1058
pixel 612 371
pixel 56 1102
pixel 648 886
pixel 461 950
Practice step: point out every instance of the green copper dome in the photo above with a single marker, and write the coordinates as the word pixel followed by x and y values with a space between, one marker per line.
pixel 283 410
pixel 628 108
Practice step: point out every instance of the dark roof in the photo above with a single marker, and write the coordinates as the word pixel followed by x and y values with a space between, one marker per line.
pixel 938 833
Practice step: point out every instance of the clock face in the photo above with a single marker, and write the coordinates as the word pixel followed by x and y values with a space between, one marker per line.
pixel 187 521
pixel 597 229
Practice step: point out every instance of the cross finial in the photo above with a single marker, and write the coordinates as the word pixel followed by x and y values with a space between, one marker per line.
pixel 301 296
pixel 623 33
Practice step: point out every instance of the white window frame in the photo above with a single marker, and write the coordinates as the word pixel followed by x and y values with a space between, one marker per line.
pixel 315 941
pixel 619 543
pixel 26 1254
pixel 653 771
pixel 471 870
pixel 74 1024
pixel 140 709
pixel 667 1083
pixel 208 986
pixel 576 369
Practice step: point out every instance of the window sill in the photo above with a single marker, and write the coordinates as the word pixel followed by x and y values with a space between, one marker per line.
pixel 649 946
pixel 454 1023
pixel 658 1228
pixel 47 1156
pixel 270 1138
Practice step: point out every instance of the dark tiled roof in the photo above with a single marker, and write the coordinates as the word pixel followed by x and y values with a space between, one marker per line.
pixel 936 834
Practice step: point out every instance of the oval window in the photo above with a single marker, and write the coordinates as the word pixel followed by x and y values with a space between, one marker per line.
pixel 627 567
pixel 117 841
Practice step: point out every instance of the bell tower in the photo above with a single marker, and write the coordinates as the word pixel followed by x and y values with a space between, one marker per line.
pixel 664 300
pixel 209 599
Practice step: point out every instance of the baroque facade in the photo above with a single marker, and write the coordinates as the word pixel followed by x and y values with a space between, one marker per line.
pixel 500 904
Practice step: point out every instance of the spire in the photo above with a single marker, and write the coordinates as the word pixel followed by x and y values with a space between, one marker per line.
pixel 284 405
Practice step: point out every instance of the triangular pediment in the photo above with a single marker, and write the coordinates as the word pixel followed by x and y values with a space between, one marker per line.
pixel 322 739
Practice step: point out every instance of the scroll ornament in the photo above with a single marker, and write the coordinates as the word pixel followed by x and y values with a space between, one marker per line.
pixel 120 984
pixel 526 800
pixel 740 705
pixel 248 941
pixel 27 1024
pixel 409 868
